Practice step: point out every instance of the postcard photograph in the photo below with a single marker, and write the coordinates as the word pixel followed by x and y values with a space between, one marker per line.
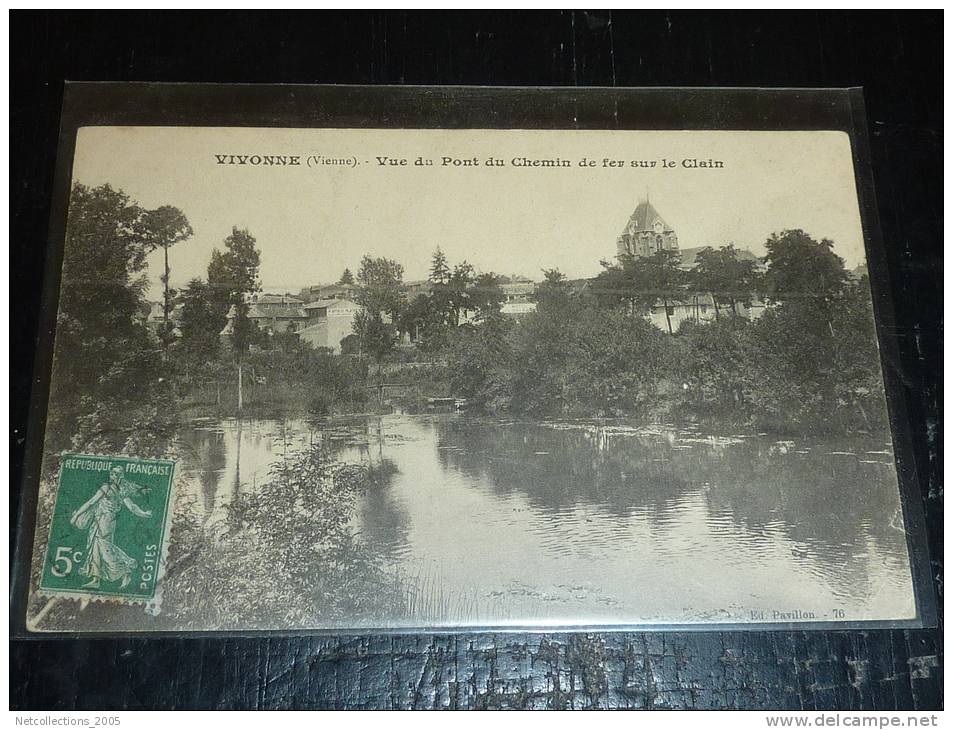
pixel 407 378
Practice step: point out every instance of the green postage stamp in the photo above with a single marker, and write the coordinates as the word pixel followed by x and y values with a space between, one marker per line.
pixel 109 528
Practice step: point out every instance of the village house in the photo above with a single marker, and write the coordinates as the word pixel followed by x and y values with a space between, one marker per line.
pixel 328 322
pixel 688 257
pixel 414 289
pixel 700 308
pixel 273 313
pixel 329 291
pixel 519 297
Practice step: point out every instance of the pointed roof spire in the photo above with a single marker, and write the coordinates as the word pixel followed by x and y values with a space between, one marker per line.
pixel 644 218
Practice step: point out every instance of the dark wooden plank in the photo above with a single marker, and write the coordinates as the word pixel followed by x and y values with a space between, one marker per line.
pixel 883 670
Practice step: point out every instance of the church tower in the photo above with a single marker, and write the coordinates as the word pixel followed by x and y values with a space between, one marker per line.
pixel 646 232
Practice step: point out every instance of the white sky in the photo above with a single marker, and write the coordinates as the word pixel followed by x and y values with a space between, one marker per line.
pixel 311 223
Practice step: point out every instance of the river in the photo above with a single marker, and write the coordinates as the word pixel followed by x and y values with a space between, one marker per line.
pixel 513 523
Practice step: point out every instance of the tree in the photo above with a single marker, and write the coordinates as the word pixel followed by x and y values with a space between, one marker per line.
pixel 110 389
pixel 620 363
pixel 805 275
pixel 641 282
pixel 450 290
pixel 302 512
pixel 480 363
pixel 380 282
pixel 439 270
pixel 788 376
pixel 553 293
pixel 415 318
pixel 219 286
pixel 812 358
pixel 232 276
pixel 806 373
pixel 458 290
pixel 486 297
pixel 575 360
pixel 425 322
pixel 347 277
pixel 351 345
pixel 711 367
pixel 200 323
pixel 612 287
pixel 801 268
pixel 856 356
pixel 378 338
pixel 380 295
pixel 162 228
pixel 727 278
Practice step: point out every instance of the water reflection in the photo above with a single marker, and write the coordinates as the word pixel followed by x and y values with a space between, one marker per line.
pixel 578 522
pixel 384 520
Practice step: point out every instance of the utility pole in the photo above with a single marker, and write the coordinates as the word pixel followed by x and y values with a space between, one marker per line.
pixel 239 385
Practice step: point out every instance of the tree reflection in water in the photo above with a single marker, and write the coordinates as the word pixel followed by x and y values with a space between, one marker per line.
pixel 383 521
pixel 838 503
pixel 553 518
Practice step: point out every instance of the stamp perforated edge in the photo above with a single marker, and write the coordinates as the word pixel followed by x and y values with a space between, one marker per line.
pixel 152 604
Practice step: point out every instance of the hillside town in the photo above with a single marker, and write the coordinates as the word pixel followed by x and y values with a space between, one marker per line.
pixel 781 340
pixel 323 315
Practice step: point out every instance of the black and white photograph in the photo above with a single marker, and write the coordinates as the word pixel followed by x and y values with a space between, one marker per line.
pixel 465 378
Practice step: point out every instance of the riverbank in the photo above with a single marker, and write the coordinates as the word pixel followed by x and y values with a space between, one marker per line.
pixel 414 388
pixel 452 505
pixel 335 385
pixel 421 520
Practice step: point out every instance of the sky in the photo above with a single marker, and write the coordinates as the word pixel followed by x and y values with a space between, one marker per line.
pixel 311 222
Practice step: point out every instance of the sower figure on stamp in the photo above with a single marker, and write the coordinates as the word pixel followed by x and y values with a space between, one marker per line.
pixel 104 559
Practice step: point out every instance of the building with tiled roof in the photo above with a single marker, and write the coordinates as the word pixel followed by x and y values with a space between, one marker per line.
pixel 272 313
pixel 329 321
pixel 330 291
pixel 645 233
pixel 688 256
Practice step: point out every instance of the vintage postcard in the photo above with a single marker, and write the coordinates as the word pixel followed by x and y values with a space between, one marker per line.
pixel 431 378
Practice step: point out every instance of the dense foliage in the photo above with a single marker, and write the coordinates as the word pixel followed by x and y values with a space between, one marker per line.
pixel 810 361
pixel 302 564
pixel 110 390
pixel 380 295
pixel 232 277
